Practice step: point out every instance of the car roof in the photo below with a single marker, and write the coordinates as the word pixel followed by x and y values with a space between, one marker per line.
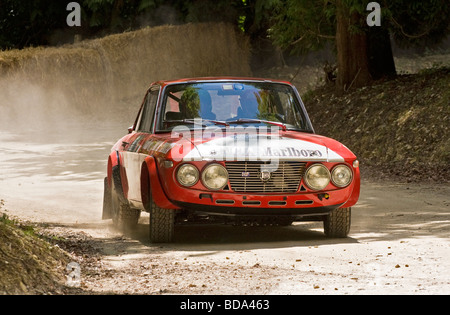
pixel 217 79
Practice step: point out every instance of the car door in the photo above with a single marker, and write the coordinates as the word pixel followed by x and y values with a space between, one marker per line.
pixel 132 159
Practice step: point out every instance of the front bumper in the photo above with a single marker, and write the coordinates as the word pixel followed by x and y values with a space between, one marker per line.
pixel 256 210
pixel 304 202
pixel 258 204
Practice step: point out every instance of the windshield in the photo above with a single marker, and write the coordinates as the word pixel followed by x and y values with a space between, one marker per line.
pixel 230 103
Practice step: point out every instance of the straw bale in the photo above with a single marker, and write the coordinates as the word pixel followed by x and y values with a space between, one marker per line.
pixel 94 76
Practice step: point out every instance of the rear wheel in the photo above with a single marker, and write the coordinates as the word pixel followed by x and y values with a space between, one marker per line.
pixel 337 223
pixel 162 223
pixel 124 217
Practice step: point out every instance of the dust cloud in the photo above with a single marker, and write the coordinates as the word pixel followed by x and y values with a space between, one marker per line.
pixel 62 108
pixel 103 81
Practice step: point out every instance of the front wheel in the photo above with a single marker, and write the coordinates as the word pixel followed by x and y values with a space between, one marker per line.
pixel 337 223
pixel 162 222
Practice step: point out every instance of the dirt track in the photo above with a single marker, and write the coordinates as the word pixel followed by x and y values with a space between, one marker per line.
pixel 399 241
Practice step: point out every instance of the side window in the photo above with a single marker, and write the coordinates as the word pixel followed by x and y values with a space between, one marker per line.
pixel 149 110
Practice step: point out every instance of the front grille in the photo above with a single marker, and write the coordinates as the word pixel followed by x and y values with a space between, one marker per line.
pixel 246 176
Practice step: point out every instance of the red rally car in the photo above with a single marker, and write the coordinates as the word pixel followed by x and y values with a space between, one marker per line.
pixel 230 150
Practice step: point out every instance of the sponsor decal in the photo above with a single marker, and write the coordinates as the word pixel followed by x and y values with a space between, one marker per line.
pixel 157 146
pixel 291 151
pixel 226 149
pixel 247 144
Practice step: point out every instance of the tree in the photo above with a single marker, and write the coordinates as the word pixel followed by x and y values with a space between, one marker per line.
pixel 28 23
pixel 363 53
pixel 351 46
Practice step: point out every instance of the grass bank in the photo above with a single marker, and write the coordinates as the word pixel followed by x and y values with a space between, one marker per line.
pixel 29 264
pixel 399 128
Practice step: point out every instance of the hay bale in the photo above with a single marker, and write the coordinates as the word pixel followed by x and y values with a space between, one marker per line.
pixel 95 76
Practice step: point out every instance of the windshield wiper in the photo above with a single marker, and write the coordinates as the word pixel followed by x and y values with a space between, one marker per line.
pixel 249 120
pixel 217 122
pixel 187 121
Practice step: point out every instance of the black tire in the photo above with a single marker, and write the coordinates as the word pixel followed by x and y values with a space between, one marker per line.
pixel 124 217
pixel 162 222
pixel 337 223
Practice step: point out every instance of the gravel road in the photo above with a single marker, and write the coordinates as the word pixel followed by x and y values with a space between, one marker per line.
pixel 398 244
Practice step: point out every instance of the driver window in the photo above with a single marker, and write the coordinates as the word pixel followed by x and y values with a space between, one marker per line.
pixel 149 111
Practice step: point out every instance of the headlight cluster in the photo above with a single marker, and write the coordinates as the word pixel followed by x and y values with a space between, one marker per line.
pixel 187 175
pixel 214 176
pixel 341 176
pixel 317 176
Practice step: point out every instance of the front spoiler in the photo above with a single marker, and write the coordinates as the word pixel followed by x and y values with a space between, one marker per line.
pixel 256 211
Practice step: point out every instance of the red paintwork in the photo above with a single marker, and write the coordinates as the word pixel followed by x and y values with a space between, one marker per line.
pixel 158 194
pixel 164 83
pixel 165 190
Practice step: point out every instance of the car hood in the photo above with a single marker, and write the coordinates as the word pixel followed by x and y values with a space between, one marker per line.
pixel 288 145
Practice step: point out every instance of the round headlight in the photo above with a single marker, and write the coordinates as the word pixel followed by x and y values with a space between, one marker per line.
pixel 187 175
pixel 215 177
pixel 317 177
pixel 341 176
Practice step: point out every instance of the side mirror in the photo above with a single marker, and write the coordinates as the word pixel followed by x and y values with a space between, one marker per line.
pixel 130 129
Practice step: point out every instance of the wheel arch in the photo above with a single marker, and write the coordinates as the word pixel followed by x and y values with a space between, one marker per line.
pixel 356 190
pixel 151 188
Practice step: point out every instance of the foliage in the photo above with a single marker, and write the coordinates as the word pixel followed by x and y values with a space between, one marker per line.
pixel 298 25
pixel 363 53
pixel 416 23
pixel 27 23
pixel 209 11
pixel 266 106
pixel 116 15
pixel 191 101
pixel 303 25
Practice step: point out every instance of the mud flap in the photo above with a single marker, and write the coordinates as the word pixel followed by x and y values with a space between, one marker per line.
pixel 118 183
pixel 107 211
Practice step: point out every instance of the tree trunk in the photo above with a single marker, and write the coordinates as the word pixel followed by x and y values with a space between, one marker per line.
pixel 352 52
pixel 381 59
